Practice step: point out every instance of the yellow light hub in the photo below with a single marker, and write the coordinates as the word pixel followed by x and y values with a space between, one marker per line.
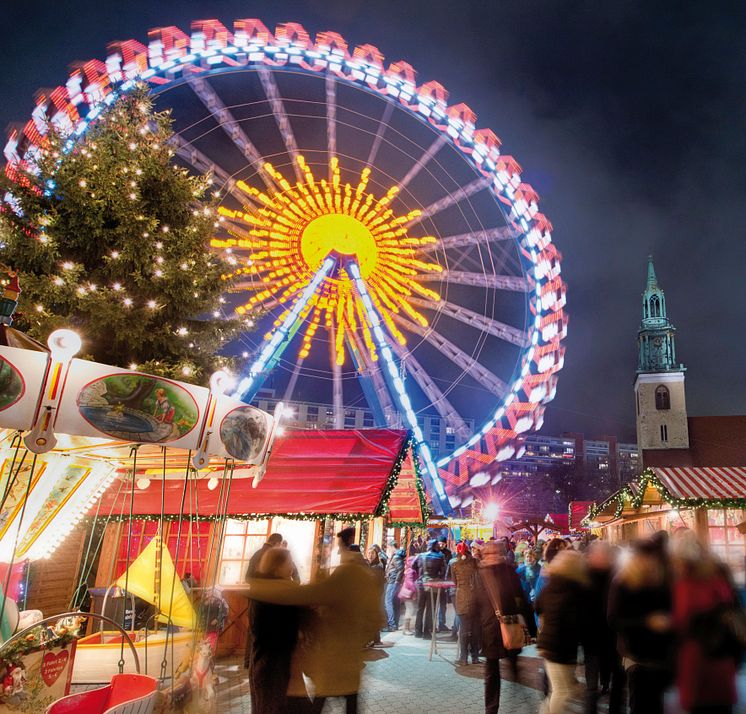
pixel 340 233
pixel 283 235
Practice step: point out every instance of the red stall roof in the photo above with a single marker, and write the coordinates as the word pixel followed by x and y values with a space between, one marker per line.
pixel 349 473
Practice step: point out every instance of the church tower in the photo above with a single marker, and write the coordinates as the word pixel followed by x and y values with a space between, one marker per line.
pixel 659 388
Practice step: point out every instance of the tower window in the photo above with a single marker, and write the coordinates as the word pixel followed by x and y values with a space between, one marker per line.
pixel 664 433
pixel 655 306
pixel 662 398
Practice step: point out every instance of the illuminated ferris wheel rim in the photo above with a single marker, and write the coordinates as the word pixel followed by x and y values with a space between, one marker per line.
pixel 212 49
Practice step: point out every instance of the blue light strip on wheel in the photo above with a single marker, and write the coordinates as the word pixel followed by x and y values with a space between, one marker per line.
pixel 250 384
pixel 391 373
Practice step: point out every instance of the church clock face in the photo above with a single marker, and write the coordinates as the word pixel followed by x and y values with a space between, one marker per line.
pixel 658 341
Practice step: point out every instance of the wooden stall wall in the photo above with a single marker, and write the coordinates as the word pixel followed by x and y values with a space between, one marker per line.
pixel 52 581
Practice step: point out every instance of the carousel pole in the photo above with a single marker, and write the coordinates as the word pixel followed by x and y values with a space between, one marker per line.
pixel 133 455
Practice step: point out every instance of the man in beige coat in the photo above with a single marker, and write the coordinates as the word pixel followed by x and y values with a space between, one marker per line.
pixel 350 607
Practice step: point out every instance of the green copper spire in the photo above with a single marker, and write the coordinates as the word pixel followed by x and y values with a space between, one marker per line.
pixel 652 280
pixel 656 337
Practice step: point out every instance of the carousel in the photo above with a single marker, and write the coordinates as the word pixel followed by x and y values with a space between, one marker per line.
pixel 72 432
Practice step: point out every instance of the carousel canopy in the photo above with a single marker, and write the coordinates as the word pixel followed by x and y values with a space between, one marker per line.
pixel 347 473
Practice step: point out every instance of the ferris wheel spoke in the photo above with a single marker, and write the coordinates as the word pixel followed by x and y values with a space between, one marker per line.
pixel 515 283
pixel 331 120
pixel 477 185
pixel 433 149
pixel 443 406
pixel 382 124
pixel 508 333
pixel 194 157
pixel 465 240
pixel 372 381
pixel 466 362
pixel 214 104
pixel 283 123
pixel 293 381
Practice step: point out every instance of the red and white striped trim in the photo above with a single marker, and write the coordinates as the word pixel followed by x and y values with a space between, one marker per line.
pixel 711 482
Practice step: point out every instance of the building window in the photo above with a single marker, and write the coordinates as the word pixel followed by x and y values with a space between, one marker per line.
pixel 664 433
pixel 662 397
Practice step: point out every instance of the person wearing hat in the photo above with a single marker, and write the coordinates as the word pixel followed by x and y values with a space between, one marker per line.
pixel 498 588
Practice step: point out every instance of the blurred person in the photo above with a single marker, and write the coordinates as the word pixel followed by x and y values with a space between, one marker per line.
pixel 274 541
pixel 349 603
pixel 704 599
pixel 430 565
pixel 602 662
pixel 563 622
pixel 409 595
pixel 528 574
pixel 382 557
pixel 551 549
pixel 379 572
pixel 275 635
pixel 640 614
pixel 296 574
pixel 498 589
pixel 444 595
pixel 394 578
pixel 463 571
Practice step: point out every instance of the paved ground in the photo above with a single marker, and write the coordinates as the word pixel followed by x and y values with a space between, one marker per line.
pixel 399 679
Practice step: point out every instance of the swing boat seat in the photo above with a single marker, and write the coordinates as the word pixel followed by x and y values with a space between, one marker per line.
pixel 97 655
pixel 125 694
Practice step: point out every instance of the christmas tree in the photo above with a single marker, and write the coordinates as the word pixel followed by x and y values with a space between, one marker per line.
pixel 111 238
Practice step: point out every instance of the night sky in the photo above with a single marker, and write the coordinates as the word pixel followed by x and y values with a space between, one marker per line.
pixel 627 117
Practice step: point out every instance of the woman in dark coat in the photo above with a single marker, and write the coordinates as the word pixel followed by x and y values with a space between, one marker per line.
pixel 275 635
pixel 640 605
pixel 497 577
pixel 562 607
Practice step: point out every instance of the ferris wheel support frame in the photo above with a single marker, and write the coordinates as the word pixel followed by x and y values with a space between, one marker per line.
pixel 397 389
pixel 269 356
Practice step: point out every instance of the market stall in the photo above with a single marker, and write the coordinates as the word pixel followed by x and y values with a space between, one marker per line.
pixel 709 500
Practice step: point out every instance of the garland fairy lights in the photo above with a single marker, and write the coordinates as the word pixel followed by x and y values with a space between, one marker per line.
pixel 634 492
pixel 380 511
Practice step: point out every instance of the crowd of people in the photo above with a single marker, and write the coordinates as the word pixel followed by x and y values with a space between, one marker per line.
pixel 628 623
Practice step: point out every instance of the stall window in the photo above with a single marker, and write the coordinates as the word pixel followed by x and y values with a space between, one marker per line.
pixel 242 540
pixel 726 541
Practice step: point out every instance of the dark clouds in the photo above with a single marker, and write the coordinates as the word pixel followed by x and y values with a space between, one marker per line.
pixel 628 117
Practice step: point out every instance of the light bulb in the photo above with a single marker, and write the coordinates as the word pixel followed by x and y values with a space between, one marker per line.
pixel 212 484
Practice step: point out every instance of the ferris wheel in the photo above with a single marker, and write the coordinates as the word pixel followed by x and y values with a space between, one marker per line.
pixel 393 251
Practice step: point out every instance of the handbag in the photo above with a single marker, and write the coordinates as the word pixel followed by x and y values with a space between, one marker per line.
pixel 513 631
